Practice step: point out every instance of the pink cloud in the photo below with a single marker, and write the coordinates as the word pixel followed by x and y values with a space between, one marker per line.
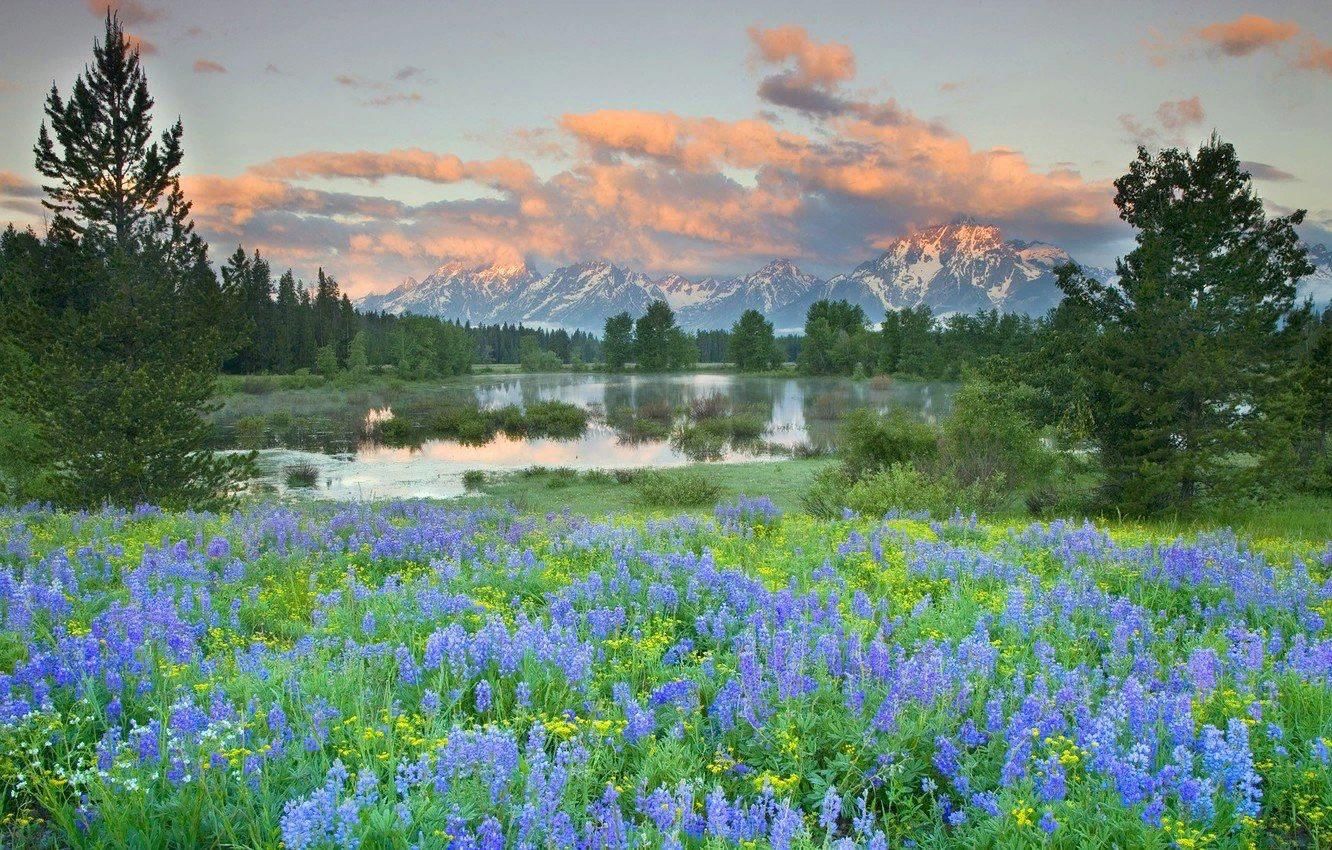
pixel 816 64
pixel 1245 36
pixel 1248 34
pixel 208 66
pixel 131 12
pixel 1315 55
pixel 658 190
pixel 1177 114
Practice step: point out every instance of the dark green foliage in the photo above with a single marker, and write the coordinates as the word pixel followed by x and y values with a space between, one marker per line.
pixel 871 442
pixel 535 359
pixel 473 479
pixel 428 348
pixel 617 345
pixel 121 321
pixel 675 488
pixel 1178 355
pixel 1298 428
pixel 301 475
pixel 473 425
pixel 659 345
pixel 836 339
pixel 987 441
pixel 107 179
pixel 753 347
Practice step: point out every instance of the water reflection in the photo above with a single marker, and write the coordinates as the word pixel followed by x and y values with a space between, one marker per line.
pixel 636 421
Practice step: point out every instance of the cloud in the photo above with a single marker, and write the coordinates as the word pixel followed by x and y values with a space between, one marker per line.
pixel 132 13
pixel 389 93
pixel 816 64
pixel 1178 114
pixel 394 97
pixel 1315 55
pixel 272 68
pixel 20 195
pixel 8 85
pixel 144 46
pixel 1247 34
pixel 1171 119
pixel 208 66
pixel 659 190
pixel 1263 171
pixel 810 85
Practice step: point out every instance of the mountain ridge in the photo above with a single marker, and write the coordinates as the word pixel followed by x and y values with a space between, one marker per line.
pixel 958 267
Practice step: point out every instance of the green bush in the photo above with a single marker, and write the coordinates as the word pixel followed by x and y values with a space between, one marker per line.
pixel 303 475
pixel 986 438
pixel 396 431
pixel 871 442
pixel 473 479
pixel 905 488
pixel 663 488
pixel 557 419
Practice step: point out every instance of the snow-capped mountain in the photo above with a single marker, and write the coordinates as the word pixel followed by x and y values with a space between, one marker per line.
pixel 457 290
pixel 961 267
pixel 1318 285
pixel 767 290
pixel 683 293
pixel 583 295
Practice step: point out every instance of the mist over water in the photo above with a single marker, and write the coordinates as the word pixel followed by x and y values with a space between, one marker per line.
pixel 330 430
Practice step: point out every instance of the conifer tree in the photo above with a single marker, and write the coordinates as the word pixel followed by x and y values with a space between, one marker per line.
pixel 127 335
pixel 617 345
pixel 1188 337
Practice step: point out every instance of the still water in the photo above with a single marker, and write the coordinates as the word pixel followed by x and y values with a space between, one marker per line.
pixel 326 428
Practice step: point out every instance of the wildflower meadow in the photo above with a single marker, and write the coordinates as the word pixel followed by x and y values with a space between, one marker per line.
pixel 419 675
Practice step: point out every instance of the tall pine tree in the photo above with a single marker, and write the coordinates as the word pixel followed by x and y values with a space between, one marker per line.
pixel 125 305
pixel 1186 341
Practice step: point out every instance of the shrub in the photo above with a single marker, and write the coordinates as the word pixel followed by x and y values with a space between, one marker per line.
pixel 904 488
pixel 396 431
pixel 662 488
pixel 561 477
pixel 746 427
pixel 625 476
pixel 712 406
pixel 598 476
pixel 473 479
pixel 557 419
pixel 704 441
pixel 826 497
pixel 657 410
pixel 251 432
pixel 302 475
pixel 870 442
pixel 986 438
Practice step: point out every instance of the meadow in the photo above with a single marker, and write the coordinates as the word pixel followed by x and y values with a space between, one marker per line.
pixel 417 674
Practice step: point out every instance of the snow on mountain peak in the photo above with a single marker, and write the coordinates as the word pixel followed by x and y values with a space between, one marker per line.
pixel 962 266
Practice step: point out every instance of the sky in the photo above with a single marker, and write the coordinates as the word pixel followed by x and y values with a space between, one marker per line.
pixel 379 140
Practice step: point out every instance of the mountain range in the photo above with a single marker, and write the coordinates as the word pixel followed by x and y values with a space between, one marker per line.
pixel 960 267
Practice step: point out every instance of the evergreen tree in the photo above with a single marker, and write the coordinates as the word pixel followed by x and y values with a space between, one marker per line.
pixel 1188 338
pixel 126 310
pixel 617 345
pixel 835 338
pixel 753 347
pixel 358 354
pixel 659 345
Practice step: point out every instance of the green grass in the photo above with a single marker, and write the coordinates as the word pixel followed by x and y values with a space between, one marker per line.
pixel 784 481
pixel 1306 518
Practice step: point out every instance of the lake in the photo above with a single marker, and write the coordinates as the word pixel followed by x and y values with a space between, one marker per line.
pixel 327 428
